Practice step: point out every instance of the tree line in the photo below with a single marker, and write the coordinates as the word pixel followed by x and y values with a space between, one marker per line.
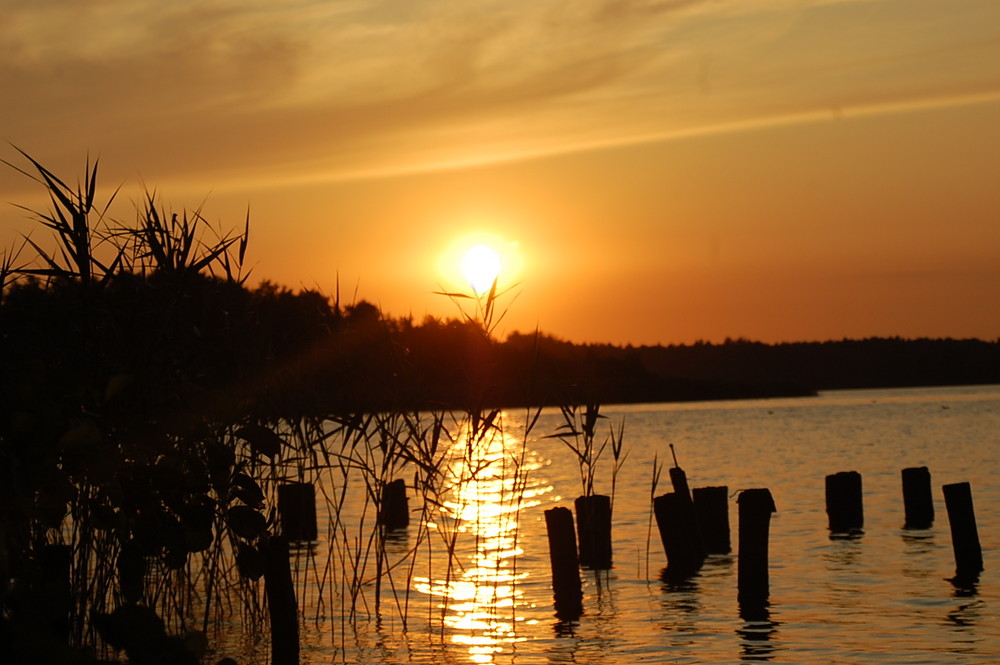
pixel 158 345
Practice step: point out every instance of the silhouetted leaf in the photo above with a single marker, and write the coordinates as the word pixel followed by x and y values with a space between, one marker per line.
pixel 175 556
pixel 247 490
pixel 197 512
pixel 246 522
pixel 130 626
pixel 51 501
pixel 220 460
pixel 198 540
pixel 104 517
pixel 453 295
pixel 81 437
pixel 261 439
pixel 250 561
pixel 147 532
pixel 244 239
pixel 116 385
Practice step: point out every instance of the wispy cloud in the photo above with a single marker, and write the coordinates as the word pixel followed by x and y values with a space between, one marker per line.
pixel 366 87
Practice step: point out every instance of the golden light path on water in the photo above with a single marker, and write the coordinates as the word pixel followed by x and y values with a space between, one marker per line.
pixel 489 474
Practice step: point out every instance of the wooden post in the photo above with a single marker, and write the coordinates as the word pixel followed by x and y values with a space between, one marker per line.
pixel 711 508
pixel 593 526
pixel 54 595
pixel 844 505
pixel 395 513
pixel 679 481
pixel 755 508
pixel 131 567
pixel 964 534
pixel 918 502
pixel 566 587
pixel 685 504
pixel 297 511
pixel 281 603
pixel 678 478
pixel 679 538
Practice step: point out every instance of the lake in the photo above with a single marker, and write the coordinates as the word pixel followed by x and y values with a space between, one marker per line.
pixel 881 597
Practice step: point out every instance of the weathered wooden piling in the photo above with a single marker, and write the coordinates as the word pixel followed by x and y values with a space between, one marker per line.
pixel 679 536
pixel 844 505
pixel 964 534
pixel 711 509
pixel 755 508
pixel 297 511
pixel 593 526
pixel 566 588
pixel 53 596
pixel 395 510
pixel 281 603
pixel 131 566
pixel 685 506
pixel 678 479
pixel 918 502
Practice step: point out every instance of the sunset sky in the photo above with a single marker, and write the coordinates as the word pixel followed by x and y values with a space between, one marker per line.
pixel 652 171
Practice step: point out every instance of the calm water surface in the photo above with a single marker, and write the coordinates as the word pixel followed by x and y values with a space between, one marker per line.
pixel 880 598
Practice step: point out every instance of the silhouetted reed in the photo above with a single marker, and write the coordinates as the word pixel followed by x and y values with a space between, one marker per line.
pixel 579 432
pixel 153 422
pixel 156 494
pixel 76 233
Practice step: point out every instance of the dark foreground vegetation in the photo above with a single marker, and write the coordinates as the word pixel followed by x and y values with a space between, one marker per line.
pixel 151 404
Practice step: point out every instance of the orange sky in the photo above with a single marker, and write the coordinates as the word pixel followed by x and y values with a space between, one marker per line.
pixel 659 172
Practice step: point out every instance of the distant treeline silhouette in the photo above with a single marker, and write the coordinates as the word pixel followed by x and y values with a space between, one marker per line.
pixel 216 344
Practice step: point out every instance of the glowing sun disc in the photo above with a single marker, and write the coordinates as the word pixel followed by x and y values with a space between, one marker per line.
pixel 480 266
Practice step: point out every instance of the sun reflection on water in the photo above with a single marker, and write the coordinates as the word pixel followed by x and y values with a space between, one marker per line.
pixel 480 592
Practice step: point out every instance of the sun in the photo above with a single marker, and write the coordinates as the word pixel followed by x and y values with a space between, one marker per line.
pixel 474 260
pixel 481 266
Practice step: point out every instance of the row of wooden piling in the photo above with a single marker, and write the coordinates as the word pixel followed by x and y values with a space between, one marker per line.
pixel 297 520
pixel 695 524
pixel 683 522
pixel 845 511
pixel 692 524
pixel 297 509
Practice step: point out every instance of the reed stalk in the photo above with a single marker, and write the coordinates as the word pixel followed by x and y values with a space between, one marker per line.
pixel 618 454
pixel 76 233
